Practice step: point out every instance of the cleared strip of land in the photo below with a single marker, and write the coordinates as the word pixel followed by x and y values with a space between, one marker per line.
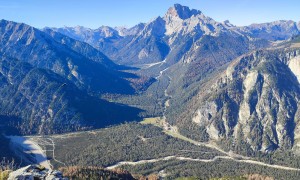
pixel 31 149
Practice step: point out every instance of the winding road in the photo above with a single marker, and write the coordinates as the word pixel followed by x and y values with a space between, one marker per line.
pixel 172 131
pixel 180 158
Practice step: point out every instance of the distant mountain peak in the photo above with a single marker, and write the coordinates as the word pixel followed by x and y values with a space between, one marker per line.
pixel 183 12
pixel 155 27
pixel 227 23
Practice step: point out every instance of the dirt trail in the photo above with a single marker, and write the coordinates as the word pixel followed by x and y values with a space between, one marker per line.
pixel 180 158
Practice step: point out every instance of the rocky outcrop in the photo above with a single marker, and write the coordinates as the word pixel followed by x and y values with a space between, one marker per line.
pixel 255 100
pixel 35 172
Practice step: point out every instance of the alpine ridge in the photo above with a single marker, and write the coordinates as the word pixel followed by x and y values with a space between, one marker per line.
pixel 181 95
pixel 30 45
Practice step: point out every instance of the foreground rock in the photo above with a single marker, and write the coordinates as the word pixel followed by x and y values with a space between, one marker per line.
pixel 32 172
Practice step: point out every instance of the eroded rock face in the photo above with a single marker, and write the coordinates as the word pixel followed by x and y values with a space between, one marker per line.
pixel 35 172
pixel 256 99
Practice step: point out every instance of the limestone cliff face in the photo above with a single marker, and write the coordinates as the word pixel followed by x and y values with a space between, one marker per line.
pixel 256 99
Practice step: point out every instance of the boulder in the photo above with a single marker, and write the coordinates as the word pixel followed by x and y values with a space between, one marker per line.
pixel 34 172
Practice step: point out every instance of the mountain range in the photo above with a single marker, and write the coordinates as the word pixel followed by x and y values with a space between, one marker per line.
pixel 187 51
pixel 214 82
pixel 162 34
pixel 50 82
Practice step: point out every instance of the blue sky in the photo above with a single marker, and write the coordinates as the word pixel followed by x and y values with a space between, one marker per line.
pixel 94 13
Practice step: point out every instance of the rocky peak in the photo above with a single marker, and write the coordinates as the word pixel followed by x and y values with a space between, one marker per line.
pixel 79 28
pixel 182 20
pixel 106 31
pixel 2 22
pixel 183 12
pixel 18 32
pixel 156 27
pixel 228 24
pixel 14 25
pixel 123 31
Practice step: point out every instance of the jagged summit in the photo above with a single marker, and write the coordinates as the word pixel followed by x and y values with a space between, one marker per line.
pixel 228 24
pixel 124 31
pixel 107 32
pixel 4 22
pixel 183 12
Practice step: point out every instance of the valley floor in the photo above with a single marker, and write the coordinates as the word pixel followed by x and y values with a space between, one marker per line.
pixel 192 152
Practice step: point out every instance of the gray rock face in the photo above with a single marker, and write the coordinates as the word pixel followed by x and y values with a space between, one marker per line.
pixel 255 100
pixel 34 172
pixel 182 12
pixel 146 47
